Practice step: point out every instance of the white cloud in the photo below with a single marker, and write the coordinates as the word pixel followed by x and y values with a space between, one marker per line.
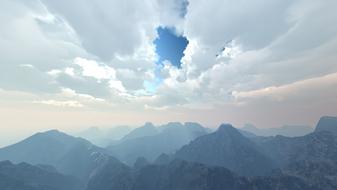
pixel 268 44
pixel 91 68
pixel 69 103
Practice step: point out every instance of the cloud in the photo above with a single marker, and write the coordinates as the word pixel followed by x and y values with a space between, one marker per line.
pixel 267 44
pixel 307 90
pixel 239 52
pixel 72 104
pixel 91 68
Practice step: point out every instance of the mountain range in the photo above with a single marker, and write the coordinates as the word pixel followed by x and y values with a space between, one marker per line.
pixel 174 156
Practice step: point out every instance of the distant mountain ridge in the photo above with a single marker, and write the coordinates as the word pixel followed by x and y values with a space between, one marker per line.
pixel 148 129
pixel 287 130
pixel 155 141
pixel 104 136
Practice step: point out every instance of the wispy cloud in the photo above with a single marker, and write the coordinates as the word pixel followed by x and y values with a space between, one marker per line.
pixel 69 103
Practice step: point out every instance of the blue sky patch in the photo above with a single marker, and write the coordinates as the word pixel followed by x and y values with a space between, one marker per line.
pixel 170 46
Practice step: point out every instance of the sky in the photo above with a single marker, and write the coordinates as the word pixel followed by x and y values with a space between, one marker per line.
pixel 73 64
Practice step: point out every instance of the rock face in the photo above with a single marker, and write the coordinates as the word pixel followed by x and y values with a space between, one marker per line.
pixel 183 175
pixel 311 157
pixel 24 176
pixel 322 174
pixel 327 123
pixel 112 174
pixel 69 155
pixel 228 148
pixel 317 146
pixel 170 138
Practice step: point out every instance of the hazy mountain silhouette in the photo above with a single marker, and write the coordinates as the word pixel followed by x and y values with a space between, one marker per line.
pixel 287 130
pixel 24 176
pixel 146 130
pixel 227 147
pixel 169 138
pixel 104 137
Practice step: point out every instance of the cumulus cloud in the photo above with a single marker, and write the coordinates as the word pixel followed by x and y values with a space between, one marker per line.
pixel 232 50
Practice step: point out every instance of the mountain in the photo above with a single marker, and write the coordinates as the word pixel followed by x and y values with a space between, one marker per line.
pixel 112 174
pixel 41 148
pixel 327 123
pixel 146 130
pixel 24 176
pixel 104 137
pixel 317 146
pixel 140 163
pixel 228 148
pixel 69 155
pixel 163 159
pixel 287 130
pixel 315 173
pixel 183 175
pixel 169 138
pixel 311 157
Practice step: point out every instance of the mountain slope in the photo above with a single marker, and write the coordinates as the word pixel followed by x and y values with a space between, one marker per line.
pixel 24 176
pixel 170 138
pixel 227 147
pixel 183 175
pixel 327 123
pixel 317 146
pixel 70 155
pixel 148 129
pixel 112 174
pixel 311 157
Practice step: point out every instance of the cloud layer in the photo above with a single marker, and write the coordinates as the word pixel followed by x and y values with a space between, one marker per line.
pixel 242 57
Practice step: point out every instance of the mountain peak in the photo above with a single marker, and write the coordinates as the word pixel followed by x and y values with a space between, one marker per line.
pixel 226 128
pixel 52 131
pixel 148 125
pixel 194 125
pixel 327 123
pixel 148 129
pixel 55 134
